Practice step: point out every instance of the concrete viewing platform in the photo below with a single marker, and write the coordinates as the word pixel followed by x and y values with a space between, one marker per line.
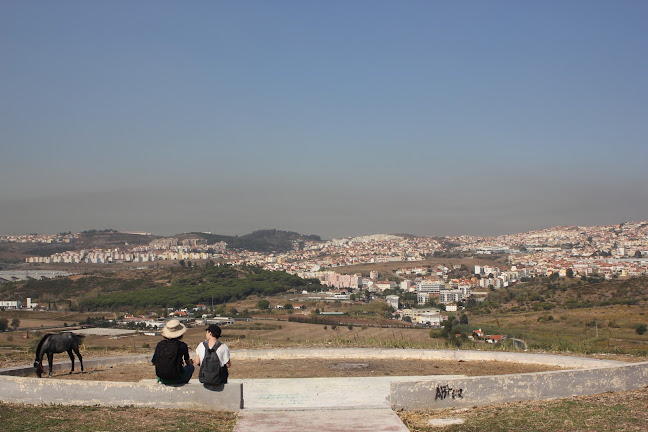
pixel 335 404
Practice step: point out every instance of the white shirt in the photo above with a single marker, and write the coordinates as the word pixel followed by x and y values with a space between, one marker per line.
pixel 222 352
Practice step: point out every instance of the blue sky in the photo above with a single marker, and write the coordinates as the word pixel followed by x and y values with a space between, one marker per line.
pixel 325 117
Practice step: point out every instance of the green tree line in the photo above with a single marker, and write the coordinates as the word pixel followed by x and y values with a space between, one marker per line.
pixel 215 285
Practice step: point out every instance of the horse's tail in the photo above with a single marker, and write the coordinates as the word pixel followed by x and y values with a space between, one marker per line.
pixel 40 346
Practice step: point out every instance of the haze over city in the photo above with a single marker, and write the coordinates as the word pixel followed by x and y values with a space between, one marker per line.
pixel 328 118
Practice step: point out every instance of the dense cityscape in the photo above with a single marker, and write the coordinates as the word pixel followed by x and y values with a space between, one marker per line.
pixel 605 251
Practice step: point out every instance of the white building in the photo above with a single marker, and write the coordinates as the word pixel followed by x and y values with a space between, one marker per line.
pixel 431 316
pixel 392 300
pixel 429 286
pixel 11 304
pixel 450 296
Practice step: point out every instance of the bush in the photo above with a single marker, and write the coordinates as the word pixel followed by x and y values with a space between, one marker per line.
pixel 641 329
pixel 263 304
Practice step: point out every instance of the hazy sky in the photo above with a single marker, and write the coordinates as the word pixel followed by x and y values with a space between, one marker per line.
pixel 323 117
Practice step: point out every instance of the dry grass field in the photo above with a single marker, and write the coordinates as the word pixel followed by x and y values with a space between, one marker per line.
pixel 609 329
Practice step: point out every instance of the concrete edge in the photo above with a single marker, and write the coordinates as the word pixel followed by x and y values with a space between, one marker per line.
pixel 488 390
pixel 424 354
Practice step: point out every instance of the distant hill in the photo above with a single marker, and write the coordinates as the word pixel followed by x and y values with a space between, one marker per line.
pixel 92 239
pixel 269 240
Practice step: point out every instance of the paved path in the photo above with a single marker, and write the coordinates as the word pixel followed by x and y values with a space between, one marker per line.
pixel 356 420
pixel 320 404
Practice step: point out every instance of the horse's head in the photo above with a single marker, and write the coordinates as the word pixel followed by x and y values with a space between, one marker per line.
pixel 39 368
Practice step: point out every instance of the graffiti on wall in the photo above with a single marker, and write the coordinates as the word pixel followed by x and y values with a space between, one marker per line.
pixel 445 391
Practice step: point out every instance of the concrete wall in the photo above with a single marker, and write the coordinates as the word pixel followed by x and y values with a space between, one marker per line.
pixel 423 354
pixel 194 395
pixel 147 393
pixel 601 376
pixel 467 392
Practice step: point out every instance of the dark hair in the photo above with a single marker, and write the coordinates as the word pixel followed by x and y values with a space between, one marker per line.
pixel 214 330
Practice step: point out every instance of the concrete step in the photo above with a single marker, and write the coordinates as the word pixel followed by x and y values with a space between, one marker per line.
pixel 320 420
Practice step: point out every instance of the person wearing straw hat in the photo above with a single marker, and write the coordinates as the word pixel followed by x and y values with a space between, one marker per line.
pixel 171 353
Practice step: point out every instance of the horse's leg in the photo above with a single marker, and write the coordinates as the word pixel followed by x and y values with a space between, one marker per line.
pixel 50 360
pixel 76 350
pixel 71 358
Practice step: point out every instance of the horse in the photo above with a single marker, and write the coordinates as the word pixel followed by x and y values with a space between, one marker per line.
pixel 57 343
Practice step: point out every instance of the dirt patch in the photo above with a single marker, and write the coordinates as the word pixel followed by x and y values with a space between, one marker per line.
pixel 309 368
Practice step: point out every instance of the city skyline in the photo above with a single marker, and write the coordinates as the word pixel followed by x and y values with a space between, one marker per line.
pixel 322 118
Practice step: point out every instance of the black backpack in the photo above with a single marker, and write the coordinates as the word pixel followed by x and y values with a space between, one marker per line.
pixel 168 363
pixel 211 372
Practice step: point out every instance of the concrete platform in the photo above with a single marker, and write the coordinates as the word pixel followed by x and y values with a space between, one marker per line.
pixel 331 404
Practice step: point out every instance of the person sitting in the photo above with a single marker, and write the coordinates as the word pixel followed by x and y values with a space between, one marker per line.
pixel 212 346
pixel 171 353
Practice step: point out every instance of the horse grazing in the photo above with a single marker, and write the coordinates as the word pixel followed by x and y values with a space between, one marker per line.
pixel 57 343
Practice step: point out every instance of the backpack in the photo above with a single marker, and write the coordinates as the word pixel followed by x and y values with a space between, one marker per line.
pixel 168 363
pixel 211 372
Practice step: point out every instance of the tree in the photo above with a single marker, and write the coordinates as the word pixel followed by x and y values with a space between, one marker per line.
pixel 4 324
pixel 638 254
pixel 182 263
pixel 570 273
pixel 263 304
pixel 641 329
pixel 288 306
pixel 15 323
pixel 463 319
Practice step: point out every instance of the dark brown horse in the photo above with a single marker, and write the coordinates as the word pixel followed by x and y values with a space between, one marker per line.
pixel 57 343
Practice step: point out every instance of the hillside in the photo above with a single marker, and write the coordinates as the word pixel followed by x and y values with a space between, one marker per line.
pixel 93 239
pixel 546 293
pixel 270 240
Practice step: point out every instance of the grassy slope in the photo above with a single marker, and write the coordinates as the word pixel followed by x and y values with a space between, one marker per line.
pixel 552 318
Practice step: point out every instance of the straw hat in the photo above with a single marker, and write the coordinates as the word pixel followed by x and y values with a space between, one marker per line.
pixel 173 329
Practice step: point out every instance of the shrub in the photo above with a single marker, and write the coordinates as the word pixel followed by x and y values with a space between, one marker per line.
pixel 641 329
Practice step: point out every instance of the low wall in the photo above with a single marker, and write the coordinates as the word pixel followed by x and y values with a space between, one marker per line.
pixel 595 376
pixel 423 354
pixel 228 397
pixel 467 392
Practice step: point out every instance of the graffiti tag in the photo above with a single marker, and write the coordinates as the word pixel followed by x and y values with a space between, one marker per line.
pixel 446 391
